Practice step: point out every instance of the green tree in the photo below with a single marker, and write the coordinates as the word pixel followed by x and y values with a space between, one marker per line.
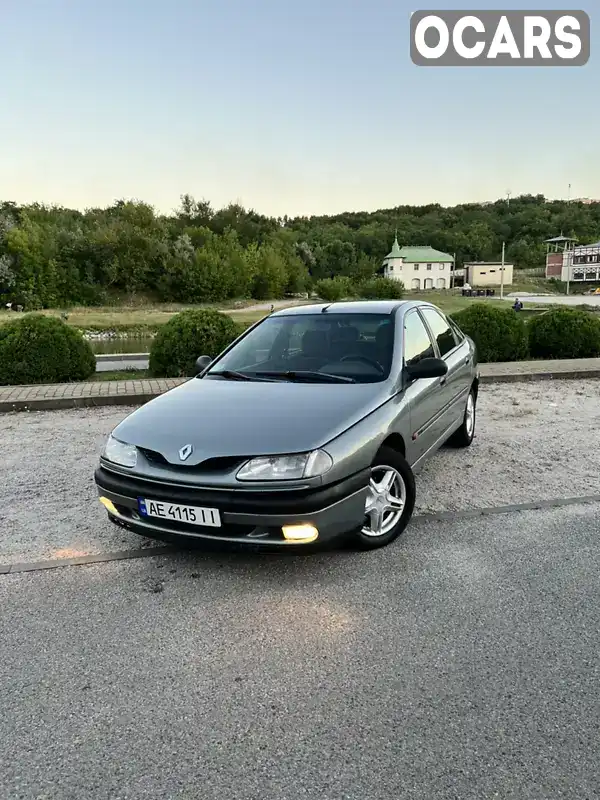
pixel 269 272
pixel 50 255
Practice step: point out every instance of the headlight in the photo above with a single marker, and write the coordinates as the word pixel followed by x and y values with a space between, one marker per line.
pixel 119 452
pixel 285 468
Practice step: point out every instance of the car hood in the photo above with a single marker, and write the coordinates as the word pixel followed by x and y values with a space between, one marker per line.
pixel 221 418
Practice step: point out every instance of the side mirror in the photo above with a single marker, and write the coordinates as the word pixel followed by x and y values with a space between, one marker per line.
pixel 427 368
pixel 202 363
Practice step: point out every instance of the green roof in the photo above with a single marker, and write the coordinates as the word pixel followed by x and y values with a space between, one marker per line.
pixel 419 254
pixel 395 252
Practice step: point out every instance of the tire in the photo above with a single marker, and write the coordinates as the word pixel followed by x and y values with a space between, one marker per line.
pixel 393 521
pixel 466 433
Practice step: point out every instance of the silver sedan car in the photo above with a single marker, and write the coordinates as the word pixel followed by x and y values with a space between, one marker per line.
pixel 308 428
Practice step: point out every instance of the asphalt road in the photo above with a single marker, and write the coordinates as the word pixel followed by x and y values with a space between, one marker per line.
pixel 461 662
pixel 555 299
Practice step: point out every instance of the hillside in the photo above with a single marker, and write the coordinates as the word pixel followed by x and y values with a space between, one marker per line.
pixel 52 256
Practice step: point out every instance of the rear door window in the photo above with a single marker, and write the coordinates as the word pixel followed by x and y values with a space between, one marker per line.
pixel 440 327
pixel 417 342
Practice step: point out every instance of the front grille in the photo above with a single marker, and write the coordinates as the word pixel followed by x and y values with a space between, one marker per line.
pixel 301 501
pixel 228 501
pixel 223 464
pixel 153 457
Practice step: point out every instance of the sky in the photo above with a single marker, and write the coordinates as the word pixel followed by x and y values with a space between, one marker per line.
pixel 288 107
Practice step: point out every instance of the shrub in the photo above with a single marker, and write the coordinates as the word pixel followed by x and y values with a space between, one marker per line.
pixel 333 289
pixel 41 349
pixel 499 333
pixel 381 289
pixel 564 333
pixel 179 342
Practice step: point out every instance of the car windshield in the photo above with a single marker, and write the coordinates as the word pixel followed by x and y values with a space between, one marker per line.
pixel 323 348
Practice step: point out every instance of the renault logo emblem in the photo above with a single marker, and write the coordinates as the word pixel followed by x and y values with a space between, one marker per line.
pixel 185 452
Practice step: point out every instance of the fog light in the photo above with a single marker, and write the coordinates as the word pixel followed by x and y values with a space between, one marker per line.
pixel 300 533
pixel 108 505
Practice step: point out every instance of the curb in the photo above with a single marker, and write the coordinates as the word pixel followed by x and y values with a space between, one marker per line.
pixel 123 399
pixel 58 403
pixel 122 357
pixel 518 377
pixel 106 363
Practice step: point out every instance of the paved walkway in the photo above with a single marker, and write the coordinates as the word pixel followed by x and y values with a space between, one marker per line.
pixel 554 299
pixel 107 393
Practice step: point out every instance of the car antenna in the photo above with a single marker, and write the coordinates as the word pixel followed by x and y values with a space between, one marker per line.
pixel 324 309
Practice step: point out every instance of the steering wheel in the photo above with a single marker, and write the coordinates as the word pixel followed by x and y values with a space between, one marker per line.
pixel 366 360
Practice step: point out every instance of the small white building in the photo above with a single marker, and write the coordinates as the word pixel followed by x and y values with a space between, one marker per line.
pixel 419 267
pixel 488 273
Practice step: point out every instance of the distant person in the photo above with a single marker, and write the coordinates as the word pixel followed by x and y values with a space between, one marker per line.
pixel 518 305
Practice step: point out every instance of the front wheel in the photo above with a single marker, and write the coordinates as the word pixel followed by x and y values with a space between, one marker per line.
pixel 390 501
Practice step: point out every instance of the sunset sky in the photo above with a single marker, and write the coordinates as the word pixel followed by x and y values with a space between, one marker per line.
pixel 288 107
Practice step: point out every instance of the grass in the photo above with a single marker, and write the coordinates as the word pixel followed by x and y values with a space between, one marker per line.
pixel 134 319
pixel 121 375
pixel 143 320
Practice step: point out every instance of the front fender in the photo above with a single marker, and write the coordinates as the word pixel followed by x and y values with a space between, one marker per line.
pixel 356 448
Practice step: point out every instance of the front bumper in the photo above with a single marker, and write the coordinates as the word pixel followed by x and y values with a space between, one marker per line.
pixel 248 517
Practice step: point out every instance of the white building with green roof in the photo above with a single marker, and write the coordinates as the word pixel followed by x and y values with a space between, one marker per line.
pixel 418 267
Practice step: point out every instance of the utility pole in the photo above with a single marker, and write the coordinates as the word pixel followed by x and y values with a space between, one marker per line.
pixel 508 194
pixel 569 255
pixel 502 271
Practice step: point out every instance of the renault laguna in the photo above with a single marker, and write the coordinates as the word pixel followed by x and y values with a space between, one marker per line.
pixel 308 428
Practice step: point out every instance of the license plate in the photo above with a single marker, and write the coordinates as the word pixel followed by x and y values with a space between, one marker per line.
pixel 192 515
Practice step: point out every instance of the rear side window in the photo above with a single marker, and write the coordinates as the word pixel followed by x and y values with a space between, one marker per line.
pixel 458 334
pixel 442 332
pixel 417 342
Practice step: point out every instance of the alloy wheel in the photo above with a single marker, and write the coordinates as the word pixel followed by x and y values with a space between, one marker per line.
pixel 385 501
pixel 470 416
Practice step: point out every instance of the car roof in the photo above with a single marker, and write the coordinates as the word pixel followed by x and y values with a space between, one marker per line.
pixel 352 307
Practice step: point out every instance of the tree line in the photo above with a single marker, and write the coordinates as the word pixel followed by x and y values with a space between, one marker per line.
pixel 52 256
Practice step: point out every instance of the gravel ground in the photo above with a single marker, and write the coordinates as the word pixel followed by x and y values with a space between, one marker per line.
pixel 459 664
pixel 534 441
pixel 48 499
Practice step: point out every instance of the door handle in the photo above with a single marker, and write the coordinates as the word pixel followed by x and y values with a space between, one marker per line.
pixel 442 381
pixel 468 360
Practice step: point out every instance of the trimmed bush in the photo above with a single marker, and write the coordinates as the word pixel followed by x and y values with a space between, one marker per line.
pixel 41 349
pixel 334 289
pixel 179 342
pixel 381 289
pixel 499 333
pixel 564 333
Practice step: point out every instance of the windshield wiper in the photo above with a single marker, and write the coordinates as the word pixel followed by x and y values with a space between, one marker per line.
pixel 232 375
pixel 307 375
